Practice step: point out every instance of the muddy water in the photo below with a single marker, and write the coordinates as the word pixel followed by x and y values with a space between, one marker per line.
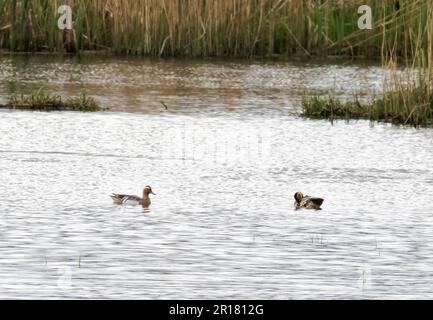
pixel 224 160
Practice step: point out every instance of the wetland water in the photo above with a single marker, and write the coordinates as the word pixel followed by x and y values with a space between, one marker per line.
pixel 224 160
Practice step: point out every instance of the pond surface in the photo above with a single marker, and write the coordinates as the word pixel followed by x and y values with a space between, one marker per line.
pixel 224 161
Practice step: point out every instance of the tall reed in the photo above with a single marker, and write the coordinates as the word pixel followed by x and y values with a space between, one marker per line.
pixel 216 28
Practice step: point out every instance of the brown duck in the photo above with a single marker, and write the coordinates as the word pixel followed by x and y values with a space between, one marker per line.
pixel 307 202
pixel 127 199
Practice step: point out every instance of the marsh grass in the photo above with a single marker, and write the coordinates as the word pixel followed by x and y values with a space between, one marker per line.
pixel 42 101
pixel 197 28
pixel 409 106
pixel 408 96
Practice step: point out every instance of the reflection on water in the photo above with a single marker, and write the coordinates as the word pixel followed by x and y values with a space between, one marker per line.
pixel 225 161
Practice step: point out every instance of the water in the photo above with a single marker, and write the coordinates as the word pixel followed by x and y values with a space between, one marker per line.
pixel 224 160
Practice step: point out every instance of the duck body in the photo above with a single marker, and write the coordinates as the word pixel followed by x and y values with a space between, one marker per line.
pixel 126 199
pixel 307 202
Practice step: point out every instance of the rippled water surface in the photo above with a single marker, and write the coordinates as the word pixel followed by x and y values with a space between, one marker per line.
pixel 224 161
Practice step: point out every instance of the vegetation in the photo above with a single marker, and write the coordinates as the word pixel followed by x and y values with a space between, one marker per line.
pixel 414 107
pixel 401 36
pixel 41 101
pixel 197 28
pixel 407 98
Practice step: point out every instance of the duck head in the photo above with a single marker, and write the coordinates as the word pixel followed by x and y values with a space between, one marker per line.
pixel 147 190
pixel 298 197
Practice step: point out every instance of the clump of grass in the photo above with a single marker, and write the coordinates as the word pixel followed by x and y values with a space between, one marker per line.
pixel 42 101
pixel 330 107
pixel 412 106
pixel 83 103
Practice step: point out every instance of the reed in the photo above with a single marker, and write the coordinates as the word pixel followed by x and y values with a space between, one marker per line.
pixel 197 28
pixel 407 97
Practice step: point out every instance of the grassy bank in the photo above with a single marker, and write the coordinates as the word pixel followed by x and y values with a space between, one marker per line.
pixel 196 28
pixel 42 101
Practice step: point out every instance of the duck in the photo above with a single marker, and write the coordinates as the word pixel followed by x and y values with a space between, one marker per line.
pixel 307 202
pixel 132 199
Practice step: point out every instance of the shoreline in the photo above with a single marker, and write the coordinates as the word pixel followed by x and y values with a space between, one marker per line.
pixel 267 58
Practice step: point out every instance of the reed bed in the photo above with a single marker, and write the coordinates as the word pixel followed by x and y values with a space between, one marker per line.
pixel 197 28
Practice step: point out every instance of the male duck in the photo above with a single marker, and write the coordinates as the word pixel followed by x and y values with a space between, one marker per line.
pixel 133 200
pixel 307 202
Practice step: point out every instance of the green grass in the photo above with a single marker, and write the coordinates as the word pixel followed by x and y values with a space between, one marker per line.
pixel 412 106
pixel 42 101
pixel 330 108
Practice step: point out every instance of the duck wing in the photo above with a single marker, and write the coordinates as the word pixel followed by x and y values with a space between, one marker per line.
pixel 116 196
pixel 313 200
pixel 122 198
